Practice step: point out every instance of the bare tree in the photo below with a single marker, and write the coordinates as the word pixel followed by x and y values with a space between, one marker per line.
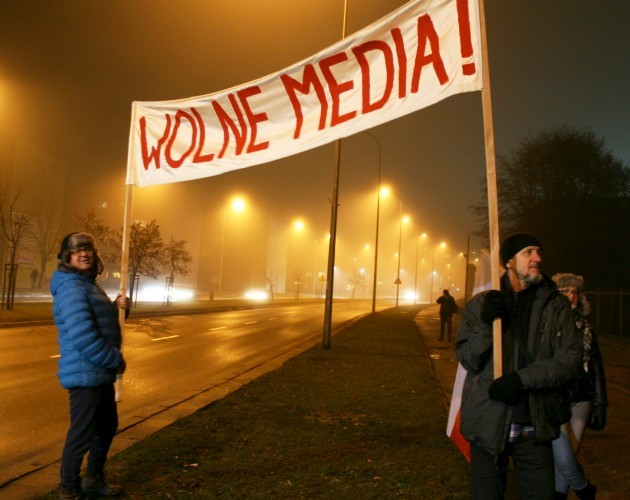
pixel 15 226
pixel 46 218
pixel 297 283
pixel 357 280
pixel 175 258
pixel 107 239
pixel 145 251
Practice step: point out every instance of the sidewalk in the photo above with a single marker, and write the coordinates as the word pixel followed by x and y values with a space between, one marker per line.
pixel 365 419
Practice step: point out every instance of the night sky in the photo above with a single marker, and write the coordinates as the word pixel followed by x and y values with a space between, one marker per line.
pixel 70 69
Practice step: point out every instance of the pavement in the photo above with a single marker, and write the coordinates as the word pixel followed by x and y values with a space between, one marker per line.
pixel 41 475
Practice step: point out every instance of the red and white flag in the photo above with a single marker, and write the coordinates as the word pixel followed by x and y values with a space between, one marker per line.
pixel 453 427
pixel 482 282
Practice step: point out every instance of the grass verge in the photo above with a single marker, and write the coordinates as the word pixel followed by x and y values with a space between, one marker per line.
pixel 364 419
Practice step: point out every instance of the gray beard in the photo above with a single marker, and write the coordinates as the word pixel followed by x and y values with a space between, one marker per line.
pixel 532 280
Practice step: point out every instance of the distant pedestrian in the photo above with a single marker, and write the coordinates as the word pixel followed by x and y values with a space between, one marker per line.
pixel 589 401
pixel 448 307
pixel 519 414
pixel 89 341
pixel 34 277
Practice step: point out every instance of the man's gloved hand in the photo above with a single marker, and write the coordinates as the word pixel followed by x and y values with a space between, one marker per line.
pixel 598 418
pixel 494 306
pixel 507 389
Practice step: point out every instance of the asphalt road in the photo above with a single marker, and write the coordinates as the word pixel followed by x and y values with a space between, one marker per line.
pixel 169 359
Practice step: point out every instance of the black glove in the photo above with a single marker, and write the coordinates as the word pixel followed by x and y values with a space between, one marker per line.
pixel 598 418
pixel 494 306
pixel 507 389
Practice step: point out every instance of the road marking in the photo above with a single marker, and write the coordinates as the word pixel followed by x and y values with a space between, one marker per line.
pixel 55 356
pixel 217 328
pixel 250 322
pixel 165 338
pixel 272 319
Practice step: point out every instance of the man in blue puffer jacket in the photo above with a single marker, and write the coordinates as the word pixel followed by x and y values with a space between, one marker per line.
pixel 90 344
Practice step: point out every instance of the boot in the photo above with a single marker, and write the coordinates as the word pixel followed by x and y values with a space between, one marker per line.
pixel 70 493
pixel 586 493
pixel 95 486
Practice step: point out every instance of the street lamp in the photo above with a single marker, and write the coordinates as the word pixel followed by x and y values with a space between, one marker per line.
pixel 237 205
pixel 378 210
pixel 415 280
pixel 443 245
pixel 400 224
pixel 296 255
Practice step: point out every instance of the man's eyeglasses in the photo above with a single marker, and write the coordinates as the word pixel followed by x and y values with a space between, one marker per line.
pixel 83 249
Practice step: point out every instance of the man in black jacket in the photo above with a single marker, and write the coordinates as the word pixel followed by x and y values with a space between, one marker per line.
pixel 508 417
pixel 448 307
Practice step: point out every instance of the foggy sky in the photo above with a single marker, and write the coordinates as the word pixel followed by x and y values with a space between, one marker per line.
pixel 70 69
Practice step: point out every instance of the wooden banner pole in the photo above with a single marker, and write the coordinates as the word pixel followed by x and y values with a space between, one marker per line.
pixel 124 273
pixel 491 177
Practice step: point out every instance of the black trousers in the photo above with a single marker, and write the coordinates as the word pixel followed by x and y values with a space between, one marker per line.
pixel 93 424
pixel 446 320
pixel 533 465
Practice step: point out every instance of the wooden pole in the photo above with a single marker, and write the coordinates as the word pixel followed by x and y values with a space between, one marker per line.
pixel 124 273
pixel 491 177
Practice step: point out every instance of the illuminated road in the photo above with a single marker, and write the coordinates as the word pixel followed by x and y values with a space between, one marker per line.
pixel 168 359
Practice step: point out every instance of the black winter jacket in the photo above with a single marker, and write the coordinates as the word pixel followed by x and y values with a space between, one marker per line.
pixel 552 342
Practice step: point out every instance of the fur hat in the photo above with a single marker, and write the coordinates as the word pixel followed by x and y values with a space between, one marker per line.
pixel 79 241
pixel 73 242
pixel 564 280
pixel 514 243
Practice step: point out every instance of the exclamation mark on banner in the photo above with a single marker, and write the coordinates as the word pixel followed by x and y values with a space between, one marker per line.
pixel 465 38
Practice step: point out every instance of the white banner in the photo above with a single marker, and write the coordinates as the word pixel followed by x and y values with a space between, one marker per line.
pixel 423 52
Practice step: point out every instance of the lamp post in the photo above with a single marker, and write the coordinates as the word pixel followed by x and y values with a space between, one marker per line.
pixel 415 280
pixel 378 211
pixel 400 224
pixel 433 271
pixel 237 205
pixel 466 295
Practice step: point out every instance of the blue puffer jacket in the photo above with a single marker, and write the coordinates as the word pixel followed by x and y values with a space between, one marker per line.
pixel 89 332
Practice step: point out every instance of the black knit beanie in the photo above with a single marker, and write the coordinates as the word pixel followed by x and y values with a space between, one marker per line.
pixel 514 243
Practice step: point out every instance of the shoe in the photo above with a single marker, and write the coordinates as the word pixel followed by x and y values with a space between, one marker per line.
pixel 95 486
pixel 70 493
pixel 586 493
